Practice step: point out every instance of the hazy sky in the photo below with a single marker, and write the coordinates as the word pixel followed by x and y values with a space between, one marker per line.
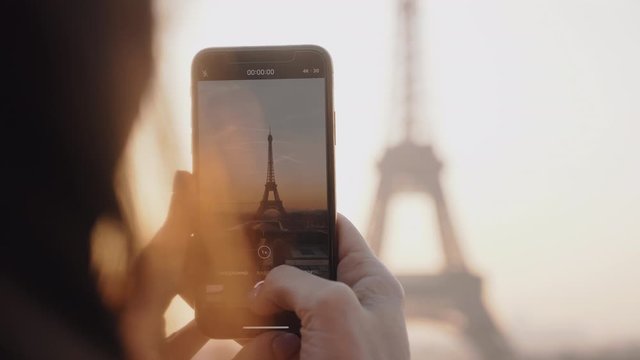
pixel 236 116
pixel 532 106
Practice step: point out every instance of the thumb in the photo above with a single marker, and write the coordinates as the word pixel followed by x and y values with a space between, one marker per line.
pixel 160 266
pixel 270 346
pixel 289 288
pixel 182 206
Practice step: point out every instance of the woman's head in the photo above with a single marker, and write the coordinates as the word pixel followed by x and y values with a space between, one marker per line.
pixel 76 71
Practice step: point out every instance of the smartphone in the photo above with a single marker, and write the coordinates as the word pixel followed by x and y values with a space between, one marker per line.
pixel 263 158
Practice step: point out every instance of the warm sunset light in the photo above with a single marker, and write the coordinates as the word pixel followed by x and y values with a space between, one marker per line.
pixel 516 179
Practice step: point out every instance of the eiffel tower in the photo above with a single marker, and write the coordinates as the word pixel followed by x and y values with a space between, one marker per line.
pixel 270 186
pixel 453 295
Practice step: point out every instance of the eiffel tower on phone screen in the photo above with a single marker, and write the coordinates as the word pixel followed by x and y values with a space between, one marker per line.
pixel 270 187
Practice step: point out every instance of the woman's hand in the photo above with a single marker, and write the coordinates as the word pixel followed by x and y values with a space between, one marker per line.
pixel 159 275
pixel 358 317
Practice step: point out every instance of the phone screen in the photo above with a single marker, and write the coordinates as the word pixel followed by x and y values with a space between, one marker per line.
pixel 263 158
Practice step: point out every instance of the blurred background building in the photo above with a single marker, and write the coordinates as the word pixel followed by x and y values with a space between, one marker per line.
pixel 530 110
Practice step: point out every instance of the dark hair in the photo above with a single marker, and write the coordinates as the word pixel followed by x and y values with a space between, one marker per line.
pixel 74 75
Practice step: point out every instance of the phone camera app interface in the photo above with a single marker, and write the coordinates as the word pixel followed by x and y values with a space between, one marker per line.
pixel 262 181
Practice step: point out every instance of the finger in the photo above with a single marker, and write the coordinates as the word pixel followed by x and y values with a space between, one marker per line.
pixel 350 239
pixel 242 342
pixel 361 270
pixel 270 346
pixel 160 266
pixel 184 343
pixel 179 224
pixel 182 206
pixel 356 260
pixel 179 228
pixel 285 346
pixel 289 288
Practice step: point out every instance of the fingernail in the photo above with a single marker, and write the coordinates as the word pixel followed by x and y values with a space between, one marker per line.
pixel 285 346
pixel 253 293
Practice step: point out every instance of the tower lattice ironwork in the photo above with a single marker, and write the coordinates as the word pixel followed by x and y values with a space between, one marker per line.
pixel 454 294
pixel 270 186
